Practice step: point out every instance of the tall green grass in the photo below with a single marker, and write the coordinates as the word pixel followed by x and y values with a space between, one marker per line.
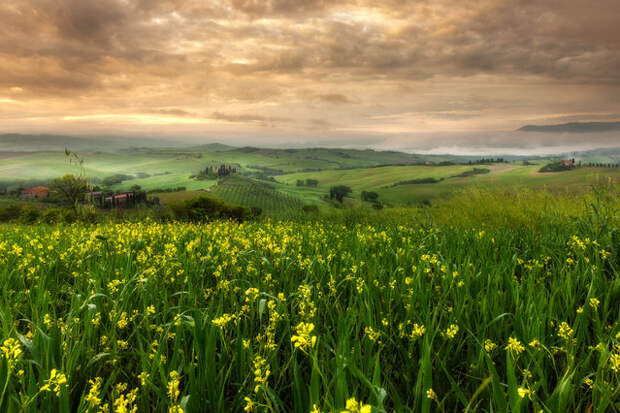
pixel 411 310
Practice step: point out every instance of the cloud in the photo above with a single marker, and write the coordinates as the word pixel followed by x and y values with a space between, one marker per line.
pixel 246 118
pixel 445 64
pixel 334 98
pixel 174 112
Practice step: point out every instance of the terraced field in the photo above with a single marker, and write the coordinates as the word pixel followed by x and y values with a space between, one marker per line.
pixel 242 191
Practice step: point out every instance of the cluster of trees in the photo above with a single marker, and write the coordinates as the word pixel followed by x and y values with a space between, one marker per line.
pixel 163 190
pixel 214 172
pixel 29 214
pixel 71 191
pixel 602 165
pixel 205 208
pixel 485 161
pixel 116 179
pixel 338 192
pixel 373 198
pixel 472 172
pixel 307 182
pixel 418 181
pixel 267 170
pixel 557 167
pixel 195 210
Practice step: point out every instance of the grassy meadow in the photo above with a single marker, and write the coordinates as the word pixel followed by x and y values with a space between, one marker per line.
pixel 389 174
pixel 490 301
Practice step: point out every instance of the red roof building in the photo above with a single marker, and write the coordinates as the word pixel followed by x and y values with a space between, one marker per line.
pixel 36 192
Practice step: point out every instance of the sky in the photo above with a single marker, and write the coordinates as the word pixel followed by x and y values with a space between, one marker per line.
pixel 408 74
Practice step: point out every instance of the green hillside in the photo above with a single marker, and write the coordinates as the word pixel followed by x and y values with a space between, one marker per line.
pixel 271 174
pixel 382 180
pixel 251 193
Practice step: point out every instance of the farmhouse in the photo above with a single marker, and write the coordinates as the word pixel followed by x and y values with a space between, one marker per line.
pixel 568 162
pixel 36 192
pixel 124 199
pixel 94 198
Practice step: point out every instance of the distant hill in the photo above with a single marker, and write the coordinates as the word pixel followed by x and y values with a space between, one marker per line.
pixel 212 147
pixel 603 155
pixel 38 143
pixel 574 127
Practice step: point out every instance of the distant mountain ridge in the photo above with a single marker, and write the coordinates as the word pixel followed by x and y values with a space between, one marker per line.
pixel 573 127
pixel 49 142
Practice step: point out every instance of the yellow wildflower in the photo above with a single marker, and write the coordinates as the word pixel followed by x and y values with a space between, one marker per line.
pixel 303 338
pixel 489 345
pixel 92 398
pixel 514 346
pixel 55 382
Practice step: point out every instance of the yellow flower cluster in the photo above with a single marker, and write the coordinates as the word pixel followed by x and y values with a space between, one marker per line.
pixel 353 406
pixel 153 302
pixel 55 383
pixel 514 346
pixel 11 351
pixel 303 339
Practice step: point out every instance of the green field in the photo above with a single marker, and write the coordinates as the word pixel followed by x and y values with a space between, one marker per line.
pixel 490 301
pixel 251 193
pixel 362 170
pixel 173 167
pixel 382 180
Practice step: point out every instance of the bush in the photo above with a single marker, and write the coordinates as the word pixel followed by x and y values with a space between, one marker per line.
pixel 418 181
pixel 475 171
pixel 67 215
pixel 29 214
pixel 339 192
pixel 556 167
pixel 205 208
pixel 58 216
pixel 50 216
pixel 370 196
pixel 10 213
pixel 87 213
pixel 115 179
pixel 310 209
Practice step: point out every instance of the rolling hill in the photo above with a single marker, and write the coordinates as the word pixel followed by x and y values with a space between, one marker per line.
pixel 251 193
pixel 573 127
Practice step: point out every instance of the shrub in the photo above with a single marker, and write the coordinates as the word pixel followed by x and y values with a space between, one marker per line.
pixel 204 208
pixel 87 213
pixel 556 167
pixel 68 216
pixel 310 209
pixel 475 171
pixel 418 181
pixel 50 216
pixel 29 214
pixel 10 213
pixel 339 192
pixel 370 196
